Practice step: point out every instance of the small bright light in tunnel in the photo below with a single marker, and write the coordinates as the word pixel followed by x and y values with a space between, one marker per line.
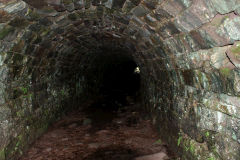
pixel 137 70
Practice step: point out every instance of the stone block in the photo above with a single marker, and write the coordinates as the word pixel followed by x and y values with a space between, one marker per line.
pixel 215 32
pixel 173 7
pixel 15 7
pixel 140 11
pixel 194 17
pixel 167 30
pixel 225 6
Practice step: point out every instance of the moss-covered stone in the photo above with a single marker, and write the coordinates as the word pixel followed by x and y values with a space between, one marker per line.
pixel 236 49
pixel 225 72
pixel 32 15
pixel 67 2
pixel 5 31
pixel 2 154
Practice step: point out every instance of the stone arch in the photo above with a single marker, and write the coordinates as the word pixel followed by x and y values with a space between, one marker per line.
pixel 187 51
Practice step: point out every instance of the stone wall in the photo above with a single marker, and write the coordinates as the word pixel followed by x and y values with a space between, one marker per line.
pixel 187 50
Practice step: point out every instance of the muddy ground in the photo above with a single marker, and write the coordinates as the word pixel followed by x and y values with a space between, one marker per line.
pixel 100 132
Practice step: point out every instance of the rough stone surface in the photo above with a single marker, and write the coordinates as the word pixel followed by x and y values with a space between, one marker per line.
pixel 187 51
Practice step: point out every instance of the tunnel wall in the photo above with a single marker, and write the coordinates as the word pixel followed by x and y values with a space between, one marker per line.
pixel 187 50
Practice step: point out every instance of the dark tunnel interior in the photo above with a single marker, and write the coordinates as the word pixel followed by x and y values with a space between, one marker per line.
pixel 114 76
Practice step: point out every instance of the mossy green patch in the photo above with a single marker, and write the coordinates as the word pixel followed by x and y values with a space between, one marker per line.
pixel 159 141
pixel 236 50
pixel 2 154
pixel 48 9
pixel 207 134
pixel 20 113
pixel 225 72
pixel 211 158
pixel 62 92
pixel 179 140
pixel 44 31
pixel 67 2
pixel 192 149
pixel 5 31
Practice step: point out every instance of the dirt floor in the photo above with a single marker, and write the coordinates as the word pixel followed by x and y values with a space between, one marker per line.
pixel 99 133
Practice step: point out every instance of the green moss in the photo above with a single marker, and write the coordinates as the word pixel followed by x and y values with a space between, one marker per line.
pixel 5 31
pixel 159 141
pixel 192 148
pixel 207 134
pixel 225 71
pixel 29 96
pixel 44 32
pixel 67 2
pixel 20 113
pixel 211 158
pixel 2 154
pixel 236 49
pixel 24 90
pixel 62 92
pixel 48 9
pixel 179 140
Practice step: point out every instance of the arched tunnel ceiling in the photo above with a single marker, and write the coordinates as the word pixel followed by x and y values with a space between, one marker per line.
pixel 187 50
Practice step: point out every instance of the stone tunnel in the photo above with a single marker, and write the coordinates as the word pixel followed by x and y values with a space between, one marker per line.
pixel 55 52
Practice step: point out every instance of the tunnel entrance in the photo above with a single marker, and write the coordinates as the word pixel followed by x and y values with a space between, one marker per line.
pixel 111 125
